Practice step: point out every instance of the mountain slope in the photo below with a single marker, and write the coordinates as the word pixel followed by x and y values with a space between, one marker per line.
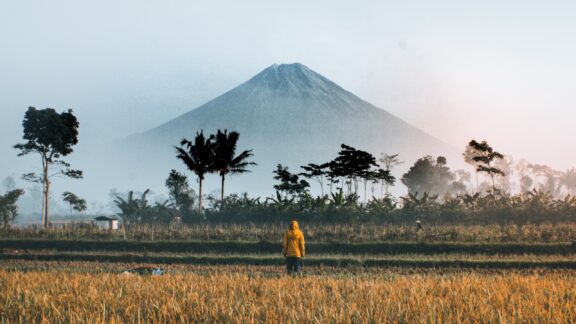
pixel 287 114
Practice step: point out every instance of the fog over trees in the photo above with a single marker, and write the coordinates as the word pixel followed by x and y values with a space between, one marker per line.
pixel 286 161
pixel 347 185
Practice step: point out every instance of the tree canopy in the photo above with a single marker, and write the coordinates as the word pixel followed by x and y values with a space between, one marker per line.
pixel 429 176
pixel 52 135
pixel 8 207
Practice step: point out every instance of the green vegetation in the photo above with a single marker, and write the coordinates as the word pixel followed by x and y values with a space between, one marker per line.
pixel 346 233
pixel 334 261
pixel 347 184
pixel 227 247
pixel 51 135
pixel 8 208
pixel 74 202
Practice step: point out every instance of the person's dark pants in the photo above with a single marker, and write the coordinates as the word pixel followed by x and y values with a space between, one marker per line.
pixel 293 265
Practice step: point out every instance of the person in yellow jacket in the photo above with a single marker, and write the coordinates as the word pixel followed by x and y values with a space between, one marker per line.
pixel 293 248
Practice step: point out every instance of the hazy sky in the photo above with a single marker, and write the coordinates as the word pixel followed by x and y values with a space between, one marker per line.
pixel 503 71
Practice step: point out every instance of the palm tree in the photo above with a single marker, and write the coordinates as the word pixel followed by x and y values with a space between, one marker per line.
pixel 225 162
pixel 198 157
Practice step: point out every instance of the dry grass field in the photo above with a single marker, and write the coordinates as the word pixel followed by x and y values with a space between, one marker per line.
pixel 563 232
pixel 484 274
pixel 236 296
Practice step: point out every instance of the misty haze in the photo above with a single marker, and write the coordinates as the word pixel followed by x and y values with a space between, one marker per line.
pixel 257 161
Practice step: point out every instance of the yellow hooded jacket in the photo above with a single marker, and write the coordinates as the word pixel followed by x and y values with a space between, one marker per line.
pixel 293 242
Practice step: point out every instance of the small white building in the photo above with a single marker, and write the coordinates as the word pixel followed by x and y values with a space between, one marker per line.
pixel 106 223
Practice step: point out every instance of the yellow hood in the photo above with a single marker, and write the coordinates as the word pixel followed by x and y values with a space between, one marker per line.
pixel 293 242
pixel 294 232
pixel 294 225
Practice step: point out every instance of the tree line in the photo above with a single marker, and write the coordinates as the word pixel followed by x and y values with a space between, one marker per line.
pixel 433 189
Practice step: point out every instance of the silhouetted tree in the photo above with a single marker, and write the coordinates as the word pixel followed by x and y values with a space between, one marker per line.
pixel 484 156
pixel 179 191
pixel 428 176
pixel 198 156
pixel 225 161
pixel 52 136
pixel 385 178
pixel 468 155
pixel 388 162
pixel 334 172
pixel 353 164
pixel 8 207
pixel 316 172
pixel 74 202
pixel 290 183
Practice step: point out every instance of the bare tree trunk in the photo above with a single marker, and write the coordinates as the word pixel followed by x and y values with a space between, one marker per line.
pixel 477 185
pixel 222 191
pixel 46 185
pixel 46 200
pixel 200 196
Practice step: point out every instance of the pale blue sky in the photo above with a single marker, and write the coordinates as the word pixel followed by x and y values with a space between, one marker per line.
pixel 448 67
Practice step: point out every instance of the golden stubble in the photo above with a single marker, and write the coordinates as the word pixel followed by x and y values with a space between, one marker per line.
pixel 227 297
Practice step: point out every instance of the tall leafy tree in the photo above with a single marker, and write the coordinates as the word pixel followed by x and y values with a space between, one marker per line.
pixel 74 202
pixel 468 155
pixel 290 183
pixel 388 162
pixel 317 172
pixel 179 191
pixel 354 164
pixel 198 156
pixel 428 176
pixel 52 136
pixel 8 207
pixel 385 178
pixel 484 155
pixel 226 162
pixel 334 172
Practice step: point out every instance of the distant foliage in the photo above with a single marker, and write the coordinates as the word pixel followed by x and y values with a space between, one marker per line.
pixel 8 207
pixel 52 135
pixel 135 211
pixel 181 197
pixel 535 207
pixel 428 176
pixel 485 157
pixel 74 202
pixel 290 183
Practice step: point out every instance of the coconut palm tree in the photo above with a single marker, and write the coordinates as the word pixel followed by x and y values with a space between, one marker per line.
pixel 198 156
pixel 225 161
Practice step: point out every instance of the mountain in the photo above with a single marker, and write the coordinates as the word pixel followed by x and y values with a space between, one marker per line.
pixel 287 114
